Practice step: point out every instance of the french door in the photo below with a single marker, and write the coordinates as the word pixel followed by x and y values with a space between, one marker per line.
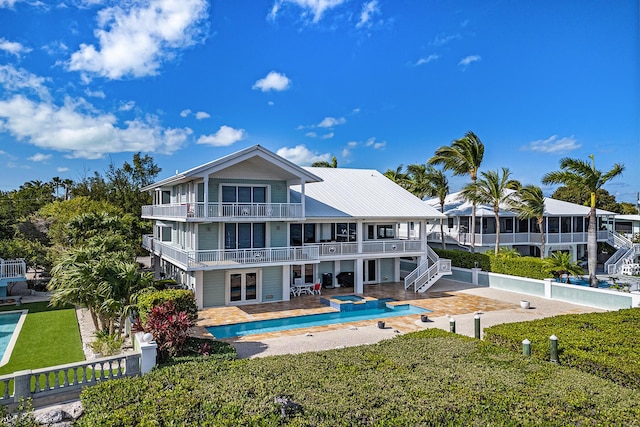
pixel 369 270
pixel 243 286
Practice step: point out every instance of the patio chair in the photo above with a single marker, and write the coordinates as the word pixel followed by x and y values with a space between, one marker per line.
pixel 317 288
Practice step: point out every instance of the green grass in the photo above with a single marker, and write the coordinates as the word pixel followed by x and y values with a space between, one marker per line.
pixel 48 337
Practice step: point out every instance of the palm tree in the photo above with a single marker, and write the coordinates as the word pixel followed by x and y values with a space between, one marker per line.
pixel 418 181
pixel 492 189
pixel 397 176
pixel 463 157
pixel 56 183
pixel 582 175
pixel 560 263
pixel 439 189
pixel 67 184
pixel 530 205
pixel 325 164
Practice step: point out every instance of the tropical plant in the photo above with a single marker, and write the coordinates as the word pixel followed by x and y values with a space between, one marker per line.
pixel 107 344
pixel 492 189
pixel 397 176
pixel 580 174
pixel 325 164
pixel 169 327
pixel 463 157
pixel 440 189
pixel 418 182
pixel 530 205
pixel 560 263
pixel 505 252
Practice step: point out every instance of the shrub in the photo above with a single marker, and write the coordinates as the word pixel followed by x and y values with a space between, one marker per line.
pixel 107 344
pixel 602 344
pixel 170 329
pixel 182 299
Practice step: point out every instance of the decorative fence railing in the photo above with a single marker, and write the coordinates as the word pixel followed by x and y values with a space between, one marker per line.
pixel 13 268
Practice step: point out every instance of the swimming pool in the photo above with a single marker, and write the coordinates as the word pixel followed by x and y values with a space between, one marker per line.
pixel 10 325
pixel 273 325
pixel 602 284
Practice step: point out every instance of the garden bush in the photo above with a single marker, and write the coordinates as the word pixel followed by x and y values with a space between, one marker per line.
pixel 531 267
pixel 429 378
pixel 182 299
pixel 602 344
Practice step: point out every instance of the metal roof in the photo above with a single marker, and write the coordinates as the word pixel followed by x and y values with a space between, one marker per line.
pixel 359 193
pixel 455 205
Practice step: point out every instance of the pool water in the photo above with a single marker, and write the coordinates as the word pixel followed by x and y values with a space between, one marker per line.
pixel 273 325
pixel 8 323
pixel 603 284
pixel 353 298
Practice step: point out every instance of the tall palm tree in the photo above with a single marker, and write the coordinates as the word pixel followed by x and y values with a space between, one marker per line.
pixel 463 157
pixel 492 190
pixel 56 183
pixel 439 189
pixel 397 176
pixel 530 205
pixel 418 181
pixel 580 174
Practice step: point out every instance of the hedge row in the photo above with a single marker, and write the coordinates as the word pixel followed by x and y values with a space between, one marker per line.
pixel 520 266
pixel 603 344
pixel 429 378
pixel 183 300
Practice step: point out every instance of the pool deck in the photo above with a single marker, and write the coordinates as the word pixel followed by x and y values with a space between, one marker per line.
pixel 446 299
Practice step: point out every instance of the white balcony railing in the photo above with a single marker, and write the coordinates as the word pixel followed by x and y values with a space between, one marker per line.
pixel 200 211
pixel 229 258
pixel 506 238
pixel 334 249
pixel 13 268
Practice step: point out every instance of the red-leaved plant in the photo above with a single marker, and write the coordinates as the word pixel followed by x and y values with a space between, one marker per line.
pixel 170 329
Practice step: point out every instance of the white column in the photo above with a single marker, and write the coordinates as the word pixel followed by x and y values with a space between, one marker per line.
pixel 198 288
pixel 396 269
pixel 359 276
pixel 286 282
pixel 359 235
pixel 302 198
pixel 206 196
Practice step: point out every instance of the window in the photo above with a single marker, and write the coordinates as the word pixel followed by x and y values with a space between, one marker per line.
pixel 386 231
pixel 554 225
pixel 565 225
pixel 345 232
pixel 243 286
pixel 450 223
pixel 243 194
pixel 165 234
pixel 578 224
pixel 244 235
pixel 295 234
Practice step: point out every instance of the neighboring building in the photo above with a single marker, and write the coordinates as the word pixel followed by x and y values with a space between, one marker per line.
pixel 565 228
pixel 267 221
pixel 11 271
pixel 627 225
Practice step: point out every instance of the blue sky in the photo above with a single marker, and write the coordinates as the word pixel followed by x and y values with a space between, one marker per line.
pixel 376 83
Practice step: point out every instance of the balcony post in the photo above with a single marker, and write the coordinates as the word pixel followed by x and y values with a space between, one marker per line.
pixel 302 198
pixel 206 196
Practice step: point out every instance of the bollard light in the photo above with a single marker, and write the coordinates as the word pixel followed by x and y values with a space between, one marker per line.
pixel 526 347
pixel 452 325
pixel 553 348
pixel 477 325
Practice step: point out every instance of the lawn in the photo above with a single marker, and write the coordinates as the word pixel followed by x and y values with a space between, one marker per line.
pixel 48 337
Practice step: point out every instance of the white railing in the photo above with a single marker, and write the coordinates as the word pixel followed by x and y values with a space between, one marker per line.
pixel 428 272
pixel 391 246
pixel 14 268
pixel 507 238
pixel 336 248
pixel 617 240
pixel 46 383
pixel 230 257
pixel 224 210
pixel 614 267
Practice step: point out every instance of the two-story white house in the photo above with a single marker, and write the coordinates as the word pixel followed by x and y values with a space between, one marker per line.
pixel 239 229
pixel 565 227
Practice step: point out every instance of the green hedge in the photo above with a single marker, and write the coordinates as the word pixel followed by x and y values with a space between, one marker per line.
pixel 184 300
pixel 531 267
pixel 426 379
pixel 603 344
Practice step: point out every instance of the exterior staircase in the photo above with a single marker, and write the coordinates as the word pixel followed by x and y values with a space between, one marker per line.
pixel 428 272
pixel 626 249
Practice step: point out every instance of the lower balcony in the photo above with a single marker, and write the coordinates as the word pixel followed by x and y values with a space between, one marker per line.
pixel 230 258
pixel 377 247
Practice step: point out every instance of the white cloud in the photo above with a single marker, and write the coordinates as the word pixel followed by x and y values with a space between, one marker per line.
pixel 352 144
pixel 427 59
pixel 127 106
pixel 39 157
pixel 311 134
pixel 329 122
pixel 8 3
pixel 371 142
pixel 224 137
pixel 442 39
pixel 355 111
pixel 327 135
pixel 368 10
pixel 273 81
pixel 62 169
pixel 185 113
pixel 202 115
pixel 15 80
pixel 77 128
pixel 302 156
pixel 135 38
pixel 13 48
pixel 554 145
pixel 346 152
pixel 314 7
pixel 467 60
pixel 95 93
pixel 271 103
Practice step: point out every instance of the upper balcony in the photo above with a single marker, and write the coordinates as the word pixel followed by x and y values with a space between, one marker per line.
pixel 199 212
pixel 506 238
pixel 373 247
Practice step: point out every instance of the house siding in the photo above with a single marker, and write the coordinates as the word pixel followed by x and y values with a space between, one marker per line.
pixel 278 234
pixel 208 237
pixel 347 265
pixel 272 284
pixel 213 288
pixel 387 269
